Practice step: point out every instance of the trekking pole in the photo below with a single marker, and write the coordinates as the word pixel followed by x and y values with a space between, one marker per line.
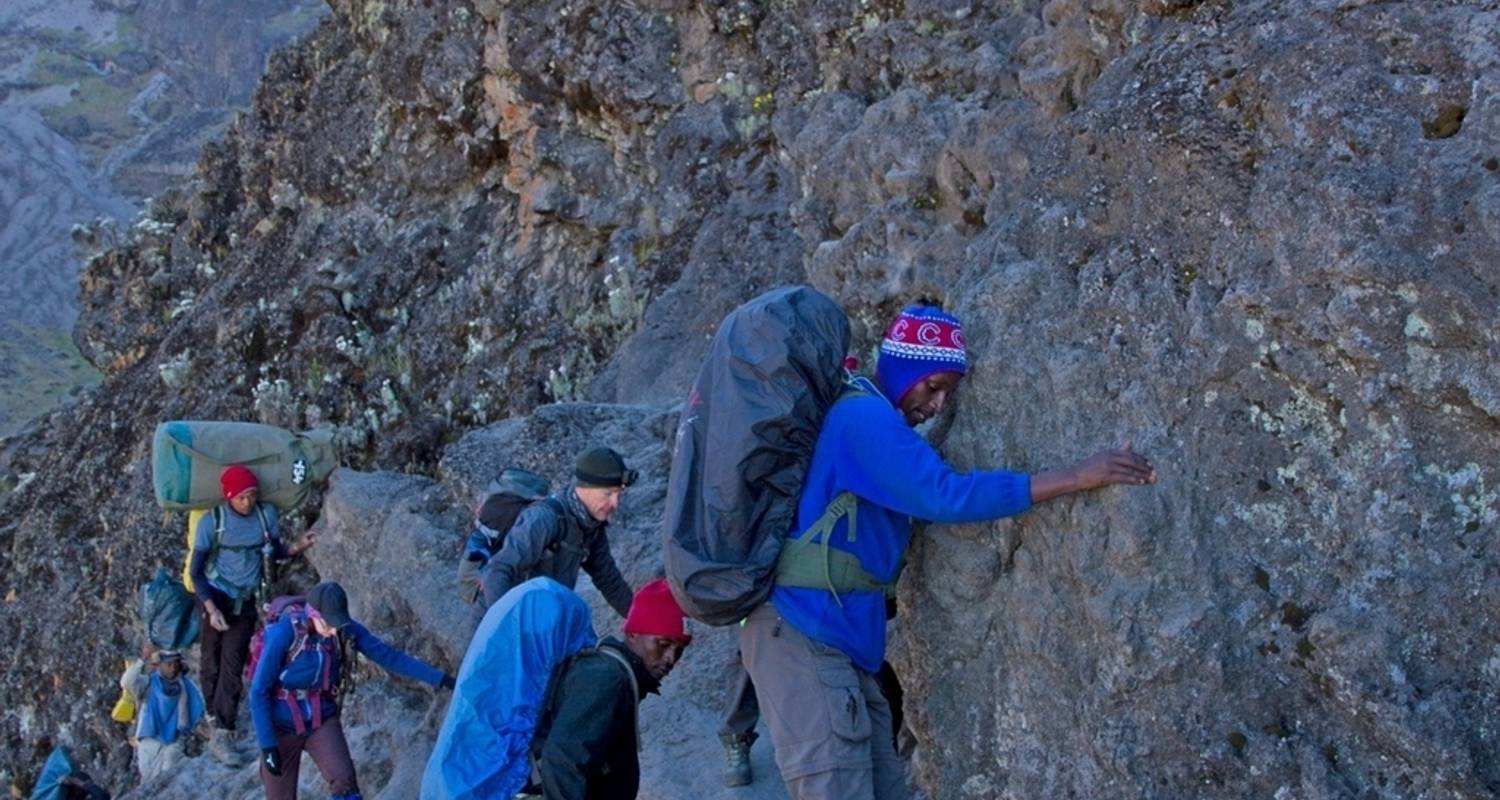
pixel 267 575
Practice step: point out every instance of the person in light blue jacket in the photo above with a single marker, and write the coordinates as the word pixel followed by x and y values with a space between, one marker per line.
pixel 293 694
pixel 814 649
pixel 169 706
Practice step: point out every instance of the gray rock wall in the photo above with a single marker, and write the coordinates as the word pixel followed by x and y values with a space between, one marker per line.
pixel 1259 251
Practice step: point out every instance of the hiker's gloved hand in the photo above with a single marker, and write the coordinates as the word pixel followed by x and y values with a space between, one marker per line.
pixel 447 682
pixel 270 757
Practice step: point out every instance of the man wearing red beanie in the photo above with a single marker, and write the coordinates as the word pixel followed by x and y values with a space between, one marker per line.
pixel 588 736
pixel 230 548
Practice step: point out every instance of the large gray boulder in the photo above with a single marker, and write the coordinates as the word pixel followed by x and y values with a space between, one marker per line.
pixel 1260 250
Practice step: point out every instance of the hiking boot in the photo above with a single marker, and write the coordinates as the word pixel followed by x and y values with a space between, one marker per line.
pixel 737 760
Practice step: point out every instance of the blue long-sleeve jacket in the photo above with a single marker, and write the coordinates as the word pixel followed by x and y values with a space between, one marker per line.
pixel 865 447
pixel 272 672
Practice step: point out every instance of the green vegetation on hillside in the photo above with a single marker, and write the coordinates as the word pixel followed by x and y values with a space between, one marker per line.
pixel 38 368
pixel 98 114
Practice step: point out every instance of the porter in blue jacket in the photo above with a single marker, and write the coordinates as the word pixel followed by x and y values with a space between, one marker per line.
pixel 814 649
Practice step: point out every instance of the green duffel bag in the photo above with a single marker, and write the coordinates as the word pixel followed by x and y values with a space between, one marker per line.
pixel 187 457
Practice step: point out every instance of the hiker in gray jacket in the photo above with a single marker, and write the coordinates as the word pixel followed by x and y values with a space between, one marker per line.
pixel 567 531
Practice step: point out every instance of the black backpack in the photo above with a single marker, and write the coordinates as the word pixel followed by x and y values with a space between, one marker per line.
pixel 509 495
pixel 774 368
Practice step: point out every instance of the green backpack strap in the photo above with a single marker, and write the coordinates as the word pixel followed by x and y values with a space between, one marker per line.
pixel 809 562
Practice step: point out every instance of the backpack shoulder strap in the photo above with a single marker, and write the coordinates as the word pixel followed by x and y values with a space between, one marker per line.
pixel 265 525
pixel 218 513
pixel 856 387
pixel 297 616
pixel 635 690
pixel 560 518
pixel 219 527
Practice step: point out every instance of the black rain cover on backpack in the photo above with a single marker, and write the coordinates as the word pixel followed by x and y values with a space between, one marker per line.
pixel 168 613
pixel 743 446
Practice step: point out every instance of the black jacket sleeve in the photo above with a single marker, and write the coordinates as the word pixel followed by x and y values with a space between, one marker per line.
pixel 601 567
pixel 594 714
pixel 198 568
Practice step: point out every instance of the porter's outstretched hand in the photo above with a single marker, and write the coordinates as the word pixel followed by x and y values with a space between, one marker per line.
pixel 1104 468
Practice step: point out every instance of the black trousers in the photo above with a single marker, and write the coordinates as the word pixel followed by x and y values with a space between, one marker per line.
pixel 222 660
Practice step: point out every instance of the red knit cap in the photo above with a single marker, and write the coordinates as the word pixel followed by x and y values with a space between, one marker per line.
pixel 237 479
pixel 654 612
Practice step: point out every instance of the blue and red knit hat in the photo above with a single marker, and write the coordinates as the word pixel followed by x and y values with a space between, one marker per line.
pixel 923 341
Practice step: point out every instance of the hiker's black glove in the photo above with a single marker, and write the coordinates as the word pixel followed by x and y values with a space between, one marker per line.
pixel 447 682
pixel 271 758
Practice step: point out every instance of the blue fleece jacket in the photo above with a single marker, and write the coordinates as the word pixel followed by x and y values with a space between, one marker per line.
pixel 271 714
pixel 866 447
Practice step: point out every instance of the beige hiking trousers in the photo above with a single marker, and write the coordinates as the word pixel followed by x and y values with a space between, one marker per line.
pixel 152 758
pixel 829 722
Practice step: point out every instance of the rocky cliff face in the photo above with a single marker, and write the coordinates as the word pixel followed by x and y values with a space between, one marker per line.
pixel 1248 238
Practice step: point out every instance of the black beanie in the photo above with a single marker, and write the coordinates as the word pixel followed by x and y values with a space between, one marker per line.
pixel 331 603
pixel 602 468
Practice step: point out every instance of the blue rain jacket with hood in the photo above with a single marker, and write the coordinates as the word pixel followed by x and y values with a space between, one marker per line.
pixel 482 747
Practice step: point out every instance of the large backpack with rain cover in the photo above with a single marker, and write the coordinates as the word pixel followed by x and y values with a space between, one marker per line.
pixel 508 495
pixel 746 437
pixel 482 748
pixel 168 613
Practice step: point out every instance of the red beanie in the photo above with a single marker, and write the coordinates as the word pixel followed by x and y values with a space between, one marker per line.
pixel 236 479
pixel 654 612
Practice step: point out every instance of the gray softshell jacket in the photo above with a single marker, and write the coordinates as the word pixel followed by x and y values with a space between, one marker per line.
pixel 544 543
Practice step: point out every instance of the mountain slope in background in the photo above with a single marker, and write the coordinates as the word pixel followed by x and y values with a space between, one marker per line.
pixel 103 104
